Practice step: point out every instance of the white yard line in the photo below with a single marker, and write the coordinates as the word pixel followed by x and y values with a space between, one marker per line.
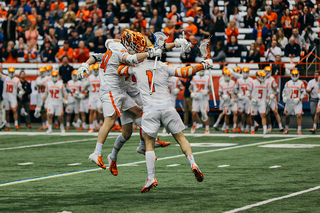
pixel 272 200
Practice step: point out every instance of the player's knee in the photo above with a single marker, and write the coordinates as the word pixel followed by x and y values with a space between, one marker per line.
pixel 299 116
pixel 263 115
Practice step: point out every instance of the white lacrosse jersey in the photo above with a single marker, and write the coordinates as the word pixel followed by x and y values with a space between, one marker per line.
pixel 259 91
pixel 200 83
pixel 272 84
pixel 74 86
pixel 10 87
pixel 293 89
pixel 227 88
pixel 131 85
pixel 55 92
pixel 94 86
pixel 242 85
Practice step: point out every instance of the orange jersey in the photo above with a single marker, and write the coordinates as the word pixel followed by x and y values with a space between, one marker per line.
pixel 86 14
pixel 191 13
pixel 69 53
pixel 170 36
pixel 230 32
pixel 287 22
pixel 3 14
pixel 61 6
pixel 192 29
pixel 272 17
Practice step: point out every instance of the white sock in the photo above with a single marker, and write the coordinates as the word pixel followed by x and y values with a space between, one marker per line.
pixel 270 126
pixel 280 125
pixel 252 128
pixel 84 124
pixel 207 127
pixel 150 159
pixel 61 126
pixel 68 124
pixel 44 125
pixel 299 128
pixel 50 127
pixel 224 125
pixel 191 159
pixel 264 127
pixel 116 123
pixel 91 126
pixel 287 126
pixel 47 123
pixel 247 127
pixel 98 148
pixel 234 125
pixel 16 123
pixel 8 124
pixel 95 123
pixel 120 140
pixel 194 123
pixel 100 122
pixel 315 125
pixel 218 121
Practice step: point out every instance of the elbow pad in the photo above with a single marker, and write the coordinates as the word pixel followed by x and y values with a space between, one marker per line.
pixel 184 71
pixel 248 93
pixel 97 57
pixel 132 59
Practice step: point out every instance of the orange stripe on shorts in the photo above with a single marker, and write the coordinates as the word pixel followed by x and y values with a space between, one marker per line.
pixel 114 106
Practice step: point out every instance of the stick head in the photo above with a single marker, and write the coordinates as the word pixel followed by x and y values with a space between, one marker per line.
pixel 159 38
pixel 205 48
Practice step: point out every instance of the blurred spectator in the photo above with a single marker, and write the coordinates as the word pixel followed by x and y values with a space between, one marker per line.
pixel 277 7
pixel 193 10
pixel 188 4
pixel 298 38
pixel 81 24
pixel 282 40
pixel 140 19
pixel 115 28
pixel 235 16
pixel 17 17
pixel 159 4
pixel 199 22
pixel 54 46
pixel 271 53
pixel 3 12
pixel 69 16
pixel 25 99
pixel 94 21
pixel 32 35
pixel 33 16
pixel 41 10
pixel 66 50
pixel 88 37
pixel 62 31
pixel 253 55
pixel 85 13
pixel 233 48
pixel 89 5
pixel 308 36
pixel 176 20
pixel 48 54
pixel 110 15
pixel 10 54
pixel 286 22
pixel 96 10
pixel 232 30
pixel 123 14
pixel 191 29
pixel 53 35
pixel 148 8
pixel 213 12
pixel 56 13
pixel 137 9
pixel 30 53
pixel 23 25
pixel 75 39
pixel 272 31
pixel 48 17
pixel 292 49
pixel 271 16
pixel 317 12
pixel 305 19
pixel 65 69
pixel 102 4
pixel 40 21
pixel 259 30
pixel 60 5
pixel 101 26
pixel 99 42
pixel 260 46
pixel 151 40
pixel 249 19
pixel 220 25
pixel 20 47
pixel 278 68
pixel 9 30
pixel 44 30
pixel 219 54
pixel 26 8
pixel 230 4
pixel 191 56
pixel 208 29
pixel 81 54
pixel 156 20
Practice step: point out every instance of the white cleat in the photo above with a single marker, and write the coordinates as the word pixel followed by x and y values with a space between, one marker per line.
pixel 75 124
pixel 97 160
pixel 141 150
pixel 3 124
pixel 149 184
pixel 215 126
pixel 63 131
pixel 164 130
pixel 223 128
pixel 267 131
pixel 48 131
pixel 199 126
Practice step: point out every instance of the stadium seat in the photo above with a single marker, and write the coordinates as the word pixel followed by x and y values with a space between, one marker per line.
pixel 288 60
pixel 246 42
pixel 173 60
pixel 233 60
pixel 245 30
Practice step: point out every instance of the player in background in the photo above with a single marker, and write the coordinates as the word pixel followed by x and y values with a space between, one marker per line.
pixel 158 109
pixel 56 96
pixel 11 84
pixel 83 96
pixel 94 103
pixel 128 50
pixel 242 85
pixel 73 89
pixel 200 89
pixel 258 95
pixel 293 93
pixel 316 116
pixel 40 86
pixel 272 104
pixel 49 70
pixel 227 93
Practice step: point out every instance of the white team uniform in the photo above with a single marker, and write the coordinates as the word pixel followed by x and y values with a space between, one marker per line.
pixel 113 93
pixel 174 82
pixel 157 107
pixel 198 83
pixel 293 90
pixel 10 89
pixel 94 102
pixel 242 86
pixel 227 88
pixel 272 85
pixel 84 89
pixel 55 97
pixel 41 89
pixel 318 87
pixel 73 105
pixel 259 92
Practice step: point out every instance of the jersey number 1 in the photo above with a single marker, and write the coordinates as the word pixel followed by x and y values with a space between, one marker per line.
pixel 149 74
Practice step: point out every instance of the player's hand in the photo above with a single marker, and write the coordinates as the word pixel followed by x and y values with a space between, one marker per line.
pixel 204 92
pixel 76 94
pixel 84 68
pixel 284 99
pixel 254 102
pixel 194 95
pixel 225 97
pixel 207 64
pixel 240 96
pixel 175 91
pixel 38 82
pixel 179 41
pixel 65 102
pixel 21 93
pixel 82 96
pixel 154 52
pixel 272 96
pixel 37 112
pixel 296 100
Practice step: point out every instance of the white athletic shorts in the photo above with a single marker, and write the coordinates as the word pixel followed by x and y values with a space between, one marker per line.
pixel 74 107
pixel 94 102
pixel 243 106
pixel 56 110
pixel 83 106
pixel 273 105
pixel 151 121
pixel 173 100
pixel 200 105
pixel 254 109
pixel 318 105
pixel 127 116
pixel 293 109
pixel 115 102
pixel 10 104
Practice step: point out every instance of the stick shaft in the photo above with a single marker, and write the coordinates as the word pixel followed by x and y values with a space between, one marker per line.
pixel 212 89
pixel 154 70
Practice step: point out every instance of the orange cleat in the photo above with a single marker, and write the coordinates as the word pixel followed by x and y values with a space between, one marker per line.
pixel 256 127
pixel 226 131
pixel 149 185
pixel 57 126
pixel 246 131
pixel 239 128
pixel 41 128
pixel 68 128
pixel 97 160
pixel 252 132
pixel 81 128
pixel 193 129
pixel 136 128
pixel 29 126
pixel 116 127
pixel 96 129
pixel 47 127
pixel 112 166
pixel 197 173
pixel 101 124
pixel 299 132
pixel 313 130
pixel 17 127
pixel 286 131
pixel 235 129
pixel 90 130
pixel 207 132
pixel 7 129
pixel 161 143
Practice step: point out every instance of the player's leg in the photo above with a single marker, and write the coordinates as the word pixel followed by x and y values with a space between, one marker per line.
pixel 194 120
pixel 2 115
pixel 248 122
pixel 14 105
pixel 49 118
pixel 316 119
pixel 218 121
pixel 6 107
pixel 268 117
pixel 240 121
pixel 287 121
pixel 235 120
pixel 59 114
pixel 278 118
pixel 92 117
pixel 69 111
pixel 226 121
pixel 299 122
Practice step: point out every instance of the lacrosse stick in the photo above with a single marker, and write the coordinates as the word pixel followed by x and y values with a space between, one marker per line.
pixel 185 47
pixel 159 39
pixel 181 107
pixel 205 52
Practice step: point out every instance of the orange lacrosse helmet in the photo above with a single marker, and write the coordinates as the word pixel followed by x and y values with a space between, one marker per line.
pixel 95 68
pixel 74 75
pixel 245 72
pixel 267 70
pixel 11 69
pixel 261 76
pixel 134 42
pixel 55 75
pixel 49 67
pixel 294 74
pixel 227 75
pixel 237 69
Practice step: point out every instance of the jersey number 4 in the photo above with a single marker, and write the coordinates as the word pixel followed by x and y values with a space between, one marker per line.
pixel 149 74
pixel 9 88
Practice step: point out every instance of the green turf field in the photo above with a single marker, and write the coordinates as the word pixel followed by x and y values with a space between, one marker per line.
pixel 236 174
